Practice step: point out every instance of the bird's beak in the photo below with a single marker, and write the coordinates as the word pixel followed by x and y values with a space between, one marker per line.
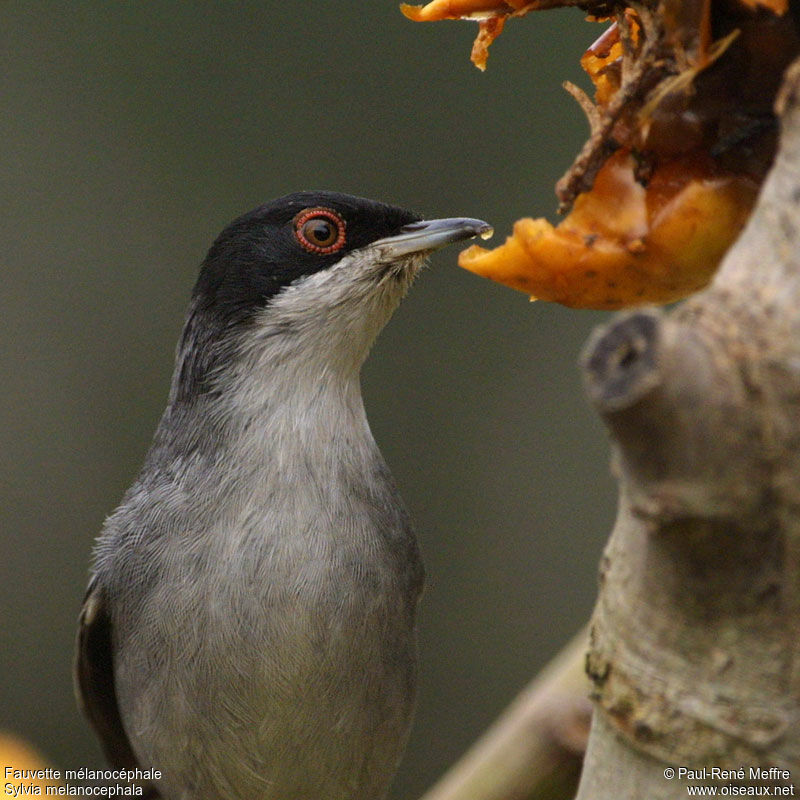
pixel 428 235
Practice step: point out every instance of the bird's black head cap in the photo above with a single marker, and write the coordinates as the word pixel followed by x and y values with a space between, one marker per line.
pixel 261 253
pixel 272 246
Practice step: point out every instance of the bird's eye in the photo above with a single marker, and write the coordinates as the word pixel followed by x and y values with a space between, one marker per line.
pixel 319 230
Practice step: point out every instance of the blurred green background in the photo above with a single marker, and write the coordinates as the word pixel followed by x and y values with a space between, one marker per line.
pixel 131 134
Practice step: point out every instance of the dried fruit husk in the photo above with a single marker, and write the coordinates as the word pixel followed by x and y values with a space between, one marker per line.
pixel 682 132
pixel 491 16
pixel 625 244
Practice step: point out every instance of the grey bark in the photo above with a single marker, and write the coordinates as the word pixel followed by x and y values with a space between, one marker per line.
pixel 695 644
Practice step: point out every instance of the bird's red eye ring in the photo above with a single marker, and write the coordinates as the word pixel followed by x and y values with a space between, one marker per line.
pixel 320 230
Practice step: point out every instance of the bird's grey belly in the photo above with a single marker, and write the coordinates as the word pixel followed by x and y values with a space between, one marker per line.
pixel 294 681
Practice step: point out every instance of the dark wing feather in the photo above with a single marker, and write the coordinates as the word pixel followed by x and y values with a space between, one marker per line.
pixel 94 682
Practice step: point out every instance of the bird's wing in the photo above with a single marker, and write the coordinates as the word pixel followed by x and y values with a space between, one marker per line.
pixel 94 682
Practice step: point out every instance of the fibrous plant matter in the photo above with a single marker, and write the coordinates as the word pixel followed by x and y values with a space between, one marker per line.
pixel 681 135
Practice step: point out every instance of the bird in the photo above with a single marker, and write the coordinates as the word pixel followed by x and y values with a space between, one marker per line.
pixel 249 627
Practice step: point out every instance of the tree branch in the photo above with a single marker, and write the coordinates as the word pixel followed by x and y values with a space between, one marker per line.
pixel 695 653
pixel 535 749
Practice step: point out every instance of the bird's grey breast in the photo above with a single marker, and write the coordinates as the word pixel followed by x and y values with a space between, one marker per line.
pixel 278 616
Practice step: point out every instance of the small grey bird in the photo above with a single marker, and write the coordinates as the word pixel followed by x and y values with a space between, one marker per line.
pixel 249 627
